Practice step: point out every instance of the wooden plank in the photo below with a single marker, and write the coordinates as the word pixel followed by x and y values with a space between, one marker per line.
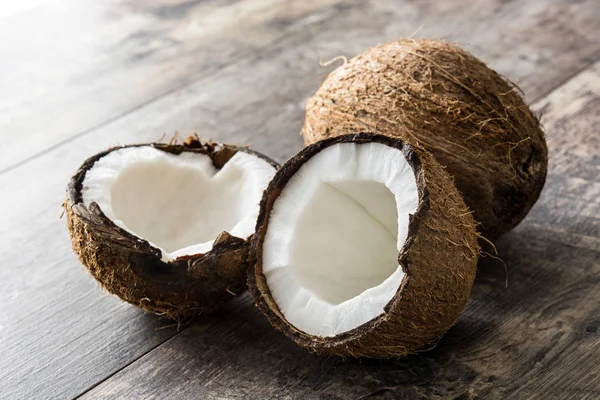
pixel 539 337
pixel 80 64
pixel 536 339
pixel 571 201
pixel 59 334
pixel 258 100
pixel 73 65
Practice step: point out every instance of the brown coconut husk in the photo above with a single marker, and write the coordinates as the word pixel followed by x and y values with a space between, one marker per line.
pixel 439 259
pixel 130 268
pixel 437 95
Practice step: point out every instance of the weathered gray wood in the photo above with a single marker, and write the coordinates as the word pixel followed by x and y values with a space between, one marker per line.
pixel 59 335
pixel 537 338
pixel 74 71
pixel 572 193
pixel 257 100
pixel 77 64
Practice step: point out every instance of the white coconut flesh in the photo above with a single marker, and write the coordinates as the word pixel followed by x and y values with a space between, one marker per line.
pixel 178 203
pixel 330 253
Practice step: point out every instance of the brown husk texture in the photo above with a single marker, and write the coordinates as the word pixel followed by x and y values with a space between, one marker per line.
pixel 439 258
pixel 132 269
pixel 437 95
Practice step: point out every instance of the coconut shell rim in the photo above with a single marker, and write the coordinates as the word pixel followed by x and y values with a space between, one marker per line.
pixel 175 270
pixel 279 181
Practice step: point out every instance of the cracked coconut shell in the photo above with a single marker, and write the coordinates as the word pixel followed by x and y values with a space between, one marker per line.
pixel 437 95
pixel 439 259
pixel 132 269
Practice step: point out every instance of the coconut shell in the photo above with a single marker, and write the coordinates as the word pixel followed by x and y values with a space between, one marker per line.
pixel 437 95
pixel 439 259
pixel 130 268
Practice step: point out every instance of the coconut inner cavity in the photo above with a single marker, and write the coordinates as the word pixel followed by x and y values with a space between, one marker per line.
pixel 330 251
pixel 344 227
pixel 179 203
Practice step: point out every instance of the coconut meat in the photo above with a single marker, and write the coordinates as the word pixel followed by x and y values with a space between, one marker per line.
pixel 178 203
pixel 330 253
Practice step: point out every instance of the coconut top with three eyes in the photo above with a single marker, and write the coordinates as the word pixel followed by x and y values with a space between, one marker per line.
pixel 166 227
pixel 363 247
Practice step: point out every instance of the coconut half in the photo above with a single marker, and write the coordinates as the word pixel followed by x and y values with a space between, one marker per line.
pixel 438 96
pixel 166 227
pixel 363 247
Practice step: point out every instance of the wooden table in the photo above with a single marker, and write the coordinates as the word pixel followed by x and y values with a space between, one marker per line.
pixel 79 75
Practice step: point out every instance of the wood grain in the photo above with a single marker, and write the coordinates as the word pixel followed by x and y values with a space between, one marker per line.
pixel 537 338
pixel 59 335
pixel 545 345
pixel 572 195
pixel 83 64
pixel 78 64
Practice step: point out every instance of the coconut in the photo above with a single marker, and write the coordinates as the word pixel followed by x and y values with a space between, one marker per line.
pixel 363 247
pixel 437 95
pixel 166 227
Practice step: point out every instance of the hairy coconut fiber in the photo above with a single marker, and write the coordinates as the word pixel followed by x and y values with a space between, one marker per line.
pixel 439 258
pixel 130 268
pixel 470 118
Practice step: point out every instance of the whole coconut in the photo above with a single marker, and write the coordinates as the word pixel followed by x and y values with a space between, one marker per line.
pixel 435 95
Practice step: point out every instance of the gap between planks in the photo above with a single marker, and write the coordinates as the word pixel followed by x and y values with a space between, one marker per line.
pixel 150 350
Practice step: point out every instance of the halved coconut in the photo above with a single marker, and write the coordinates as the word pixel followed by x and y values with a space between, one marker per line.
pixel 166 227
pixel 363 247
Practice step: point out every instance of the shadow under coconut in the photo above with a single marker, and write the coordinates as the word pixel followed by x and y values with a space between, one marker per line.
pixel 528 273
pixel 236 352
